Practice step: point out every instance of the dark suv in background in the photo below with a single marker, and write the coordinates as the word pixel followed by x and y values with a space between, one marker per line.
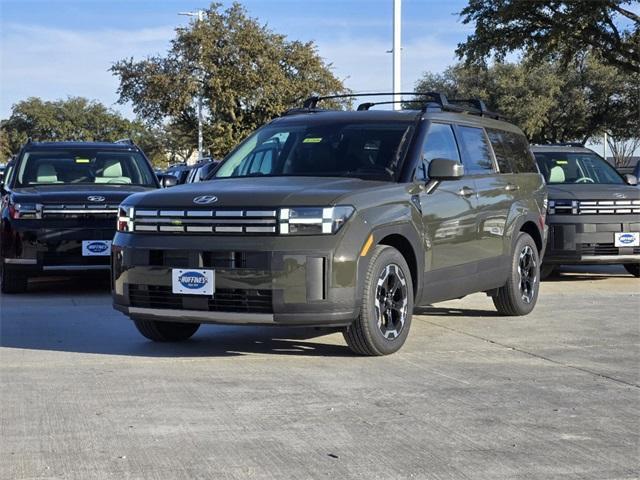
pixel 60 203
pixel 594 212
pixel 346 219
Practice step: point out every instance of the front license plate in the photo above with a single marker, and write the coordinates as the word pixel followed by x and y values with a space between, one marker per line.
pixel 193 282
pixel 627 239
pixel 96 248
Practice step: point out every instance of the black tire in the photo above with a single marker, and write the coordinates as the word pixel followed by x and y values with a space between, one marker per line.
pixel 376 332
pixel 547 270
pixel 13 282
pixel 520 294
pixel 633 269
pixel 166 331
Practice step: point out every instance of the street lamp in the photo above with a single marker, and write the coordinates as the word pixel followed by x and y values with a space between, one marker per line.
pixel 397 50
pixel 200 16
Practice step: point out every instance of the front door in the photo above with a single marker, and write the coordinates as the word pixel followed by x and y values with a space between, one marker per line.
pixel 448 212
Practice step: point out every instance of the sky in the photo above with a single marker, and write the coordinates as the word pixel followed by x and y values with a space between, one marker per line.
pixel 58 48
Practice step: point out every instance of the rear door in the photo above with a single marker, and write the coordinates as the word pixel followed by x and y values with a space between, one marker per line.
pixel 494 196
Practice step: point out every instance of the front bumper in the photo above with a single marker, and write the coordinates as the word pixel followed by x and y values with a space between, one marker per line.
pixel 267 280
pixel 40 246
pixel 590 239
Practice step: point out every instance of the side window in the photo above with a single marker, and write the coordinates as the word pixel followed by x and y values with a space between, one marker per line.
pixel 501 150
pixel 476 155
pixel 522 158
pixel 439 143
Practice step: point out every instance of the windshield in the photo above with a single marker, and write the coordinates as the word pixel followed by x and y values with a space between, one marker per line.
pixel 361 150
pixel 572 167
pixel 83 166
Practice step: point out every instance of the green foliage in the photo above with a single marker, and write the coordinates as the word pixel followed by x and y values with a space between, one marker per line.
pixel 75 118
pixel 551 101
pixel 560 29
pixel 247 75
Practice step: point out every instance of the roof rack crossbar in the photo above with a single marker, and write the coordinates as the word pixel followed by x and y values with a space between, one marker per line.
pixel 312 102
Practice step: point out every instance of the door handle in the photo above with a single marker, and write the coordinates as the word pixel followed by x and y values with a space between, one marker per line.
pixel 511 187
pixel 466 192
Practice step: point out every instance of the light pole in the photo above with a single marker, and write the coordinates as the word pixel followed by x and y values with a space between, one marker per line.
pixel 200 16
pixel 397 50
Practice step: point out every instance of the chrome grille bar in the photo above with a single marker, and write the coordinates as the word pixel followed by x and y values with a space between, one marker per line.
pixel 594 207
pixel 227 221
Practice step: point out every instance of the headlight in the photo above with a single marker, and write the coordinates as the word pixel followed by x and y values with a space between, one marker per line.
pixel 313 220
pixel 125 219
pixel 25 210
pixel 563 207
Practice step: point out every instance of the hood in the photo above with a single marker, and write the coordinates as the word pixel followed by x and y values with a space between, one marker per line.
pixel 258 192
pixel 585 191
pixel 75 194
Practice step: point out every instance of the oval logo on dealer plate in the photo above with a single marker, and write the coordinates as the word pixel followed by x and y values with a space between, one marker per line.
pixel 626 238
pixel 192 280
pixel 97 247
pixel 205 199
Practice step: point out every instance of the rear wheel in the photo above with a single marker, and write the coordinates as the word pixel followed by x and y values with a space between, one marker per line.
pixel 166 331
pixel 387 305
pixel 520 294
pixel 633 269
pixel 12 281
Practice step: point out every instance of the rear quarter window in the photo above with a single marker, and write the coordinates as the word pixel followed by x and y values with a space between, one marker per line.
pixel 512 152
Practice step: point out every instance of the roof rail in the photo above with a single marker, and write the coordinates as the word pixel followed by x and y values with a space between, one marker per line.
pixel 127 141
pixel 428 100
pixel 560 144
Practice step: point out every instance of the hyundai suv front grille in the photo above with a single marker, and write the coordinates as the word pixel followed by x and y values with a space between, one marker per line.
pixel 227 221
pixel 593 207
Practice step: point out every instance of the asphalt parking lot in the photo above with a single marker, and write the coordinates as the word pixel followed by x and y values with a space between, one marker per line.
pixel 471 395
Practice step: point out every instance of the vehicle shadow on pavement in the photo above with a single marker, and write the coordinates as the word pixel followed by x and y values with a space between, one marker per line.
pixel 75 315
pixel 580 273
pixel 454 312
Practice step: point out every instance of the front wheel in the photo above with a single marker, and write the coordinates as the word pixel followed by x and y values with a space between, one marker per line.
pixel 387 305
pixel 519 295
pixel 166 331
pixel 633 269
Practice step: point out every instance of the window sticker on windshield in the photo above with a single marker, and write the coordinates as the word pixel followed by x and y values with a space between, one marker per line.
pixel 561 162
pixel 312 140
pixel 82 160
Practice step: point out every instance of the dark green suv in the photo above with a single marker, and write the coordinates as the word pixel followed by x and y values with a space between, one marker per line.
pixel 345 219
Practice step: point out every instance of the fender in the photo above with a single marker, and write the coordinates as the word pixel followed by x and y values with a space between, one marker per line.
pixel 408 231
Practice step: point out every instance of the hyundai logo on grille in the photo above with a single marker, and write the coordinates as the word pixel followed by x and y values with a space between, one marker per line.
pixel 205 199
pixel 619 195
pixel 192 280
pixel 98 247
pixel 96 198
pixel 626 238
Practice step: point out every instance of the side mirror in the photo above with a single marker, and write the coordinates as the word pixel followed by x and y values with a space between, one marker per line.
pixel 445 169
pixel 631 179
pixel 168 181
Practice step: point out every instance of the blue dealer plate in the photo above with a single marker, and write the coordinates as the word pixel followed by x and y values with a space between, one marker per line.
pixel 192 281
pixel 96 248
pixel 627 239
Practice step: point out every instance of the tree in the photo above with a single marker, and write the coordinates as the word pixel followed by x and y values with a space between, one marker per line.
pixel 75 118
pixel 246 73
pixel 560 29
pixel 622 150
pixel 550 101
